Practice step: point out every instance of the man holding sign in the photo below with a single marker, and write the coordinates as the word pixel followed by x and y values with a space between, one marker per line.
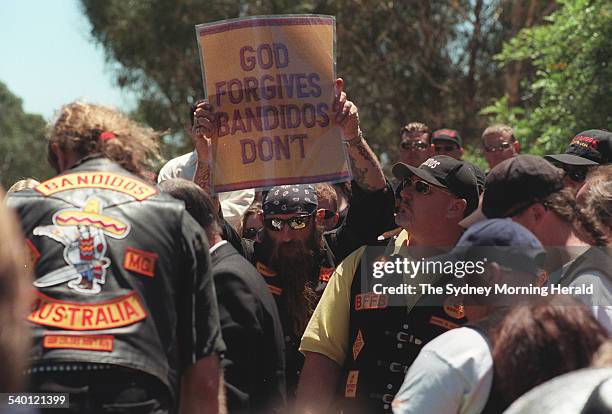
pixel 295 256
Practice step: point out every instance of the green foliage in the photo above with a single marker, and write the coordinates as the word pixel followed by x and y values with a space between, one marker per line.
pixel 570 89
pixel 402 61
pixel 22 142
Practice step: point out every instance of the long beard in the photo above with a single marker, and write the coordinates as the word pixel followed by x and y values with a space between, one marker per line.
pixel 297 265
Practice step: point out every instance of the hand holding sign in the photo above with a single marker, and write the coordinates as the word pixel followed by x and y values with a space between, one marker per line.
pixel 346 113
pixel 204 128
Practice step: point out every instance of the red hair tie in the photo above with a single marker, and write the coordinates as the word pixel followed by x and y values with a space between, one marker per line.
pixel 106 135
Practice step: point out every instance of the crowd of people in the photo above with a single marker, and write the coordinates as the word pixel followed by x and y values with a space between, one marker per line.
pixel 144 294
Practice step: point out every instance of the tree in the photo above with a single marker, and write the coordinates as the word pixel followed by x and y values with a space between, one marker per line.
pixel 410 60
pixel 569 89
pixel 22 142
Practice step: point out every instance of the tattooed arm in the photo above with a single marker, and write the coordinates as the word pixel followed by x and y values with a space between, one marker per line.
pixel 367 171
pixel 202 131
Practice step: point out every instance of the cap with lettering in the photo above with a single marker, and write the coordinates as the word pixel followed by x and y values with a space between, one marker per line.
pixel 443 171
pixel 593 147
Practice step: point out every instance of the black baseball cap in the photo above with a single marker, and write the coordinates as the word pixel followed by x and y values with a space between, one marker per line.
pixel 446 135
pixel 519 182
pixel 446 172
pixel 593 147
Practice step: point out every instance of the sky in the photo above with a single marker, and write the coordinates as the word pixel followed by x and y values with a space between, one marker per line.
pixel 48 58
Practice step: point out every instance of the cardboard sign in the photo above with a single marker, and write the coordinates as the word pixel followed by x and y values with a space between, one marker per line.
pixel 271 82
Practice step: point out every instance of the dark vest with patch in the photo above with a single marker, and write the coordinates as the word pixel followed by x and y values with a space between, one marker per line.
pixel 385 337
pixel 112 273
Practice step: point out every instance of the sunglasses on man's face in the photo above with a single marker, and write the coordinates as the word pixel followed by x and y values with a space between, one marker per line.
pixel 418 145
pixel 250 233
pixel 420 186
pixel 295 223
pixel 577 173
pixel 494 148
pixel 446 148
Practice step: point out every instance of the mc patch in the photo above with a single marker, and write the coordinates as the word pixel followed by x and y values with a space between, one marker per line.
pixel 140 261
pixel 102 343
pixel 82 232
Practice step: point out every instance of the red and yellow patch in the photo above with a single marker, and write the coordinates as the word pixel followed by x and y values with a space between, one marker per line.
pixel 103 343
pixel 325 273
pixel 76 316
pixel 275 290
pixel 105 180
pixel 453 307
pixel 351 384
pixel 358 345
pixel 369 301
pixel 140 261
pixel 264 270
pixel 443 323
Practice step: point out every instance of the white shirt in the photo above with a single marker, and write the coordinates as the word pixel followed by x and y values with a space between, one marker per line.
pixel 452 374
pixel 233 203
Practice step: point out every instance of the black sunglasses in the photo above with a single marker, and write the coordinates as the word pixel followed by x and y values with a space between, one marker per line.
pixel 447 148
pixel 419 145
pixel 494 148
pixel 295 223
pixel 420 186
pixel 250 233
pixel 577 173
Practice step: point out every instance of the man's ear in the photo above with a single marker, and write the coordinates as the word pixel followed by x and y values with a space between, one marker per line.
pixel 538 211
pixel 319 217
pixel 493 274
pixel 457 208
pixel 60 158
pixel 517 146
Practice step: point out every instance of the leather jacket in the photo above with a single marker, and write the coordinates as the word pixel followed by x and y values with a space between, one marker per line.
pixel 122 274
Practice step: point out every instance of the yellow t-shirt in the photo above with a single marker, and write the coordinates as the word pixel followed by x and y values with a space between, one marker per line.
pixel 328 329
pixel 327 332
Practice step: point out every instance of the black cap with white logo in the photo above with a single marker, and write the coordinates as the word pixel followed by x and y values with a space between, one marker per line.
pixel 443 171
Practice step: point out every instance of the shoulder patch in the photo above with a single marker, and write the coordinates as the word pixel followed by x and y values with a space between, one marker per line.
pixel 140 261
pixel 133 187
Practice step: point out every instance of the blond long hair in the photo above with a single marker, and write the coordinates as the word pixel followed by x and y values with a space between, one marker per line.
pixel 79 128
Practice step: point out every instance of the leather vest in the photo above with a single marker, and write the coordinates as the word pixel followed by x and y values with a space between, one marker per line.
pixel 113 265
pixel 596 258
pixel 384 339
